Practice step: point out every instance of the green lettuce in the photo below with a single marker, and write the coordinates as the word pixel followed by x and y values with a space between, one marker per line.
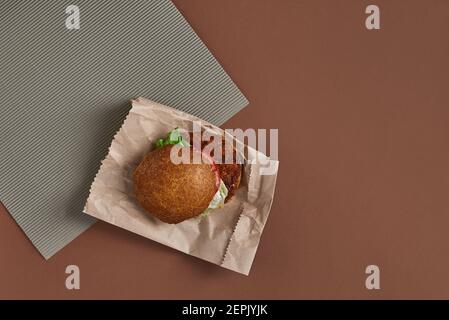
pixel 218 199
pixel 173 137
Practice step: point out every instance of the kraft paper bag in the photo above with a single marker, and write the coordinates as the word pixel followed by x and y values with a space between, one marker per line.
pixel 228 236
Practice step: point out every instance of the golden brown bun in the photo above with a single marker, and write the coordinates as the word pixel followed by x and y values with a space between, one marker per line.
pixel 173 193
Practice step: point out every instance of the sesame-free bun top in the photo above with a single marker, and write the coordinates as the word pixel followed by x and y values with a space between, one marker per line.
pixel 173 192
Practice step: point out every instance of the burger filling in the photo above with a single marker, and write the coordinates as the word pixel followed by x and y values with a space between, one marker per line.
pixel 218 200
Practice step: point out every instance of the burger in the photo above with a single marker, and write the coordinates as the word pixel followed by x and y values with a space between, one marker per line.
pixel 174 192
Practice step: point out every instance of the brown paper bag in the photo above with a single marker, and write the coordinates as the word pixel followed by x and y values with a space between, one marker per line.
pixel 228 236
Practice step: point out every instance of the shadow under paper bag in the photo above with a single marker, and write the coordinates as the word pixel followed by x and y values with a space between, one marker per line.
pixel 227 237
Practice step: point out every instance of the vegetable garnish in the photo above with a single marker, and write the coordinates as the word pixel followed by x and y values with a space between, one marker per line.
pixel 173 137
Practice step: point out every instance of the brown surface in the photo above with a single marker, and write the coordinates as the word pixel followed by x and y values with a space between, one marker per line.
pixel 364 150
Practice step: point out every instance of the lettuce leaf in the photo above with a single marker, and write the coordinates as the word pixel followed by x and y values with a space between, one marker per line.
pixel 173 137
pixel 218 199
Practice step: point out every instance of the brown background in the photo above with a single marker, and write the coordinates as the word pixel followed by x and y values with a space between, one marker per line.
pixel 364 150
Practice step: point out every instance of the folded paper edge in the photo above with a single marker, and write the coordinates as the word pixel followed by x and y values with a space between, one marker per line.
pixel 232 241
pixel 102 163
pixel 225 255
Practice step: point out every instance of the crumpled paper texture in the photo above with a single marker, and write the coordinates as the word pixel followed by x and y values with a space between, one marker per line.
pixel 228 236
